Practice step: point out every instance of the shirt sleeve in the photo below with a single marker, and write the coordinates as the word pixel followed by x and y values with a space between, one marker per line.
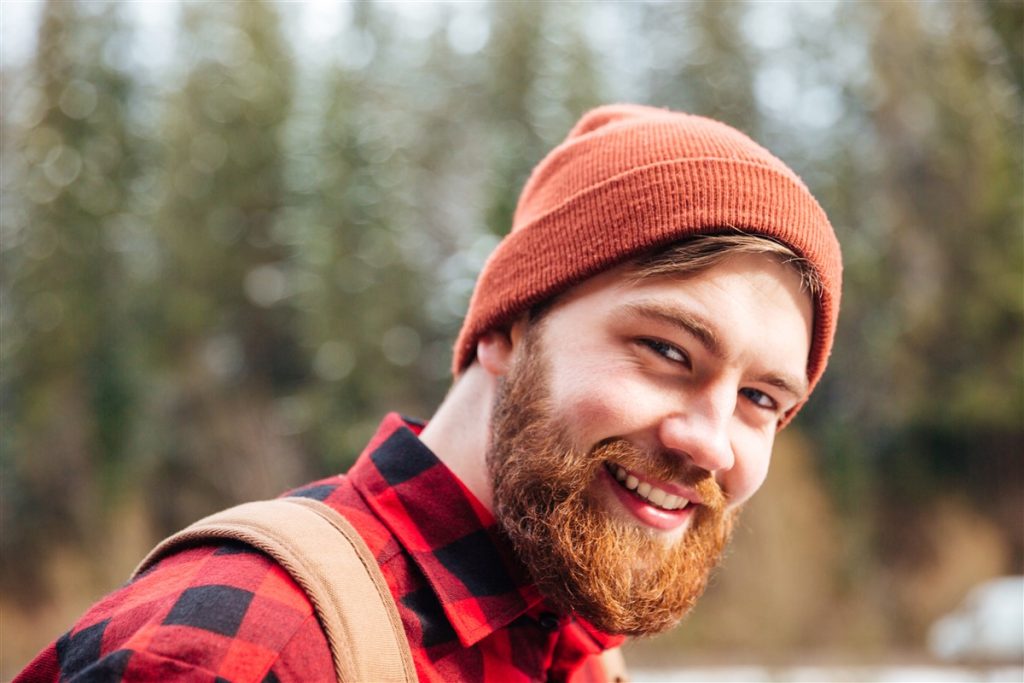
pixel 225 613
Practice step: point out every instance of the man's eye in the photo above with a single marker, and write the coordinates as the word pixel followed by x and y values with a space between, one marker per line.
pixel 666 350
pixel 760 399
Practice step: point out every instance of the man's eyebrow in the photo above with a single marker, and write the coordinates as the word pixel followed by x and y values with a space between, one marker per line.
pixel 787 383
pixel 681 318
pixel 701 329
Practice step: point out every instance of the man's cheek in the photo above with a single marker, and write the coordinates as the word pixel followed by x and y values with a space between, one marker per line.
pixel 612 407
pixel 745 479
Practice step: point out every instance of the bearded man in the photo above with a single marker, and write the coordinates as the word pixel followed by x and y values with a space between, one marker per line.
pixel 664 303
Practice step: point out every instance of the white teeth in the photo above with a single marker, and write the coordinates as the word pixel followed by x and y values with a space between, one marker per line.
pixel 675 503
pixel 657 497
pixel 654 495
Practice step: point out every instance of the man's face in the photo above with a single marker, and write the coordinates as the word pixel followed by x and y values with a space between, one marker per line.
pixel 634 420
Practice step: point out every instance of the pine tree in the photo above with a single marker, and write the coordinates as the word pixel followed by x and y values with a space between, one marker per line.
pixel 221 310
pixel 67 393
pixel 700 60
pixel 377 149
pixel 515 55
pixel 945 118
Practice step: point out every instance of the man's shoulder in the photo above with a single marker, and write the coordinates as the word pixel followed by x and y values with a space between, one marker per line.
pixel 341 494
pixel 213 612
pixel 219 610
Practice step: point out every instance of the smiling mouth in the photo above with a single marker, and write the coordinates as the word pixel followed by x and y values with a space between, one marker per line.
pixel 650 494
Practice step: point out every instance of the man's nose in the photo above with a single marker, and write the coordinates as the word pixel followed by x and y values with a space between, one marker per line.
pixel 700 431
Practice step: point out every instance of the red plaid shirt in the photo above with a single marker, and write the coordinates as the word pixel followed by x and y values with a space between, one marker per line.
pixel 229 613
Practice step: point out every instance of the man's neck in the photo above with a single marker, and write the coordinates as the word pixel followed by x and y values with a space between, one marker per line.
pixel 459 432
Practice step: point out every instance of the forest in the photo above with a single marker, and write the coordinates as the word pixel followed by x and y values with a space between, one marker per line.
pixel 234 235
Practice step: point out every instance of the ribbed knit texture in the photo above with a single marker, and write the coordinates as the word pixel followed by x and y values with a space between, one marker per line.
pixel 629 179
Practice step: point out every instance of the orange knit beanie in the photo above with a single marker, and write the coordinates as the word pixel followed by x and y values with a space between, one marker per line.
pixel 629 179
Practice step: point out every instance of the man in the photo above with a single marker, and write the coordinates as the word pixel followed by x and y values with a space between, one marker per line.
pixel 665 302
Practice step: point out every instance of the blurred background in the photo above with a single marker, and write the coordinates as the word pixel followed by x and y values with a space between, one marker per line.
pixel 234 235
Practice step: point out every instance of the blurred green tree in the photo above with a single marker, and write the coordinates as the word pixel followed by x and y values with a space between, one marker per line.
pixel 370 142
pixel 222 342
pixel 923 404
pixel 700 60
pixel 955 398
pixel 517 49
pixel 67 391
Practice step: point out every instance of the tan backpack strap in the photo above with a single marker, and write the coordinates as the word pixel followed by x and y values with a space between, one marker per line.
pixel 325 555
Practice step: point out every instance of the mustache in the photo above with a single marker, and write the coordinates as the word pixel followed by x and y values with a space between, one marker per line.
pixel 663 465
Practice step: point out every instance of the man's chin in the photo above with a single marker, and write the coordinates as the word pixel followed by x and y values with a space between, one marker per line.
pixel 622 578
pixel 590 556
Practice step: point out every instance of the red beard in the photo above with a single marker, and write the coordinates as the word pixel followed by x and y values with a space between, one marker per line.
pixel 617 575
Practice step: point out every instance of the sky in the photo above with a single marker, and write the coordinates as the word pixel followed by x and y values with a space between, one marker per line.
pixel 315 27
pixel 316 22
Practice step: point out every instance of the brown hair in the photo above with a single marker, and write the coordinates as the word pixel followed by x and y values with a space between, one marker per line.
pixel 704 251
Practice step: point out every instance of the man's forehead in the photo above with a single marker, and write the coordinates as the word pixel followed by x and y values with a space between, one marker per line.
pixel 679 269
pixel 622 292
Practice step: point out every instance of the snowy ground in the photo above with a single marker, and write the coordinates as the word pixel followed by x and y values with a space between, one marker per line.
pixel 830 674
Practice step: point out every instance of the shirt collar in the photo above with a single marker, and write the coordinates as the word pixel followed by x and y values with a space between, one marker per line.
pixel 450 535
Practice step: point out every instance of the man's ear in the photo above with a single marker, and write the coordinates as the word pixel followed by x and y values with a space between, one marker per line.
pixel 494 352
pixel 496 349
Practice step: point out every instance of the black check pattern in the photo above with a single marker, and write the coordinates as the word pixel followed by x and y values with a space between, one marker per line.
pixel 228 613
pixel 77 652
pixel 218 609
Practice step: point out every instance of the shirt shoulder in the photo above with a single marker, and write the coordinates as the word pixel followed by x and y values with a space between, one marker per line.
pixel 210 613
